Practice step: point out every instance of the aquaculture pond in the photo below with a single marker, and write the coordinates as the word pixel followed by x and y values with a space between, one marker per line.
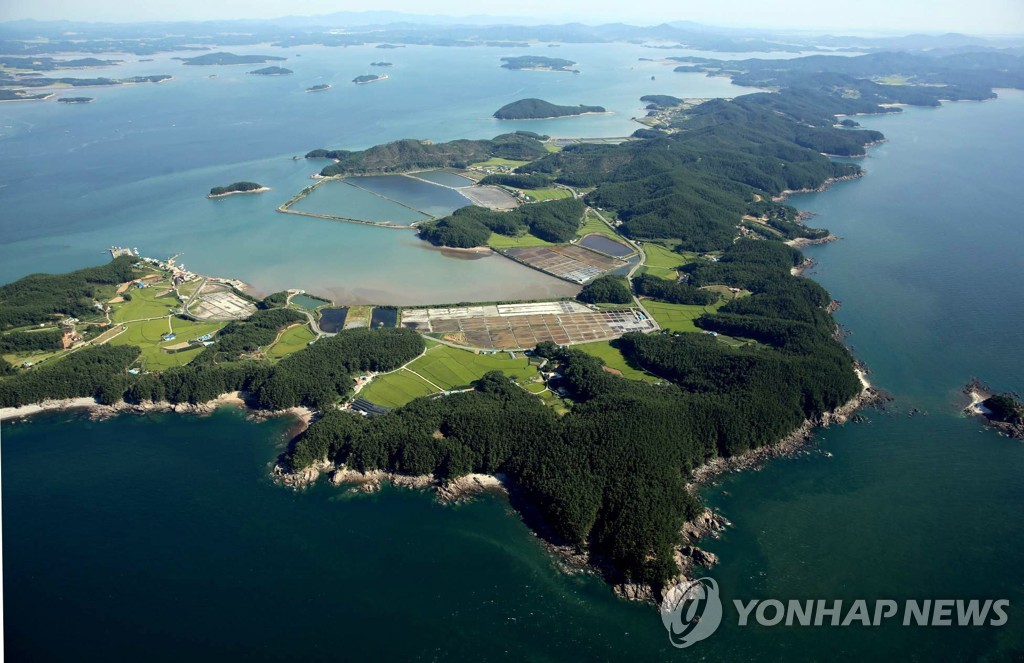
pixel 307 302
pixel 332 320
pixel 419 195
pixel 339 198
pixel 444 178
pixel 606 245
pixel 384 317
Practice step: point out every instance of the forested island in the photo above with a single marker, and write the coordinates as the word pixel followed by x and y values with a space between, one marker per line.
pixel 538 109
pixel 75 100
pixel 380 64
pixel 318 88
pixel 368 78
pixel 272 71
pixel 236 187
pixel 224 58
pixel 538 63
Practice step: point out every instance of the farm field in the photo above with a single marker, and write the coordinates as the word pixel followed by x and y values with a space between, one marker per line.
pixel 292 340
pixel 678 317
pixel 150 302
pixel 612 358
pixel 444 368
pixel 147 336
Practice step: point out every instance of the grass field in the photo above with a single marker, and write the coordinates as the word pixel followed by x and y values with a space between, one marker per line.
pixel 358 316
pixel 592 224
pixel 448 368
pixel 147 335
pixel 678 317
pixel 498 241
pixel 292 340
pixel 612 358
pixel 547 194
pixel 145 304
pixel 396 389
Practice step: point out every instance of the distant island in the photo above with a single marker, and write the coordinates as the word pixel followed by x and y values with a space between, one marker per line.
pixel 389 46
pixel 538 109
pixel 237 187
pixel 368 78
pixel 272 71
pixel 208 59
pixel 318 88
pixel 538 63
pixel 75 100
pixel 380 64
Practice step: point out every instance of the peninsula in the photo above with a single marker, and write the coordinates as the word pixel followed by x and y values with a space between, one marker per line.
pixel 272 71
pixel 237 187
pixel 538 63
pixel 538 109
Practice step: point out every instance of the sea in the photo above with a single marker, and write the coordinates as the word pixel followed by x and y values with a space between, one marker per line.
pixel 162 537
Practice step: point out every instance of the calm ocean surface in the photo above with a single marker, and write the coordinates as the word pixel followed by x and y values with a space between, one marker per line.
pixel 161 537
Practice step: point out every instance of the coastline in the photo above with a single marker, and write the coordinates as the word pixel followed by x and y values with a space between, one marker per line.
pixel 786 193
pixel 231 193
pixel 101 411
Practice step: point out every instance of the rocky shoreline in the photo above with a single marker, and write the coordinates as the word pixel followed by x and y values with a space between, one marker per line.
pixel 100 411
pixel 826 184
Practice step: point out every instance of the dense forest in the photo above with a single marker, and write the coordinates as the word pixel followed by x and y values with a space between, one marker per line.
pixel 538 109
pixel 553 221
pixel 606 289
pixel 235 187
pixel 40 298
pixel 407 155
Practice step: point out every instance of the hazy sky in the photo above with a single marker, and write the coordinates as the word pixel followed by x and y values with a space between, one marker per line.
pixel 973 16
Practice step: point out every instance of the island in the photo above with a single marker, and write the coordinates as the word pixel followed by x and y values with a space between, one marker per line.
pixel 75 100
pixel 368 78
pixel 538 109
pixel 1002 411
pixel 237 187
pixel 224 58
pixel 319 88
pixel 538 63
pixel 380 64
pixel 272 71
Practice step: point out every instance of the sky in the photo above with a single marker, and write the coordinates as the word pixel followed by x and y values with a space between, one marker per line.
pixel 860 16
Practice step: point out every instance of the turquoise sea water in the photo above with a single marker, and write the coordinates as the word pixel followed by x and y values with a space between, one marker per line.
pixel 133 169
pixel 161 537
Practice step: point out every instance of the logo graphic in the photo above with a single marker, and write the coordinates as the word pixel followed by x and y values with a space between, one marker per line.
pixel 691 611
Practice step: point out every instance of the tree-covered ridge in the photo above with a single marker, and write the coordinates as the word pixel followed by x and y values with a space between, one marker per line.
pixel 409 154
pixel 235 187
pixel 537 62
pixel 39 298
pixel 673 292
pixel 553 221
pixel 222 57
pixel 606 289
pixel 538 109
pixel 660 101
pixel 317 376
